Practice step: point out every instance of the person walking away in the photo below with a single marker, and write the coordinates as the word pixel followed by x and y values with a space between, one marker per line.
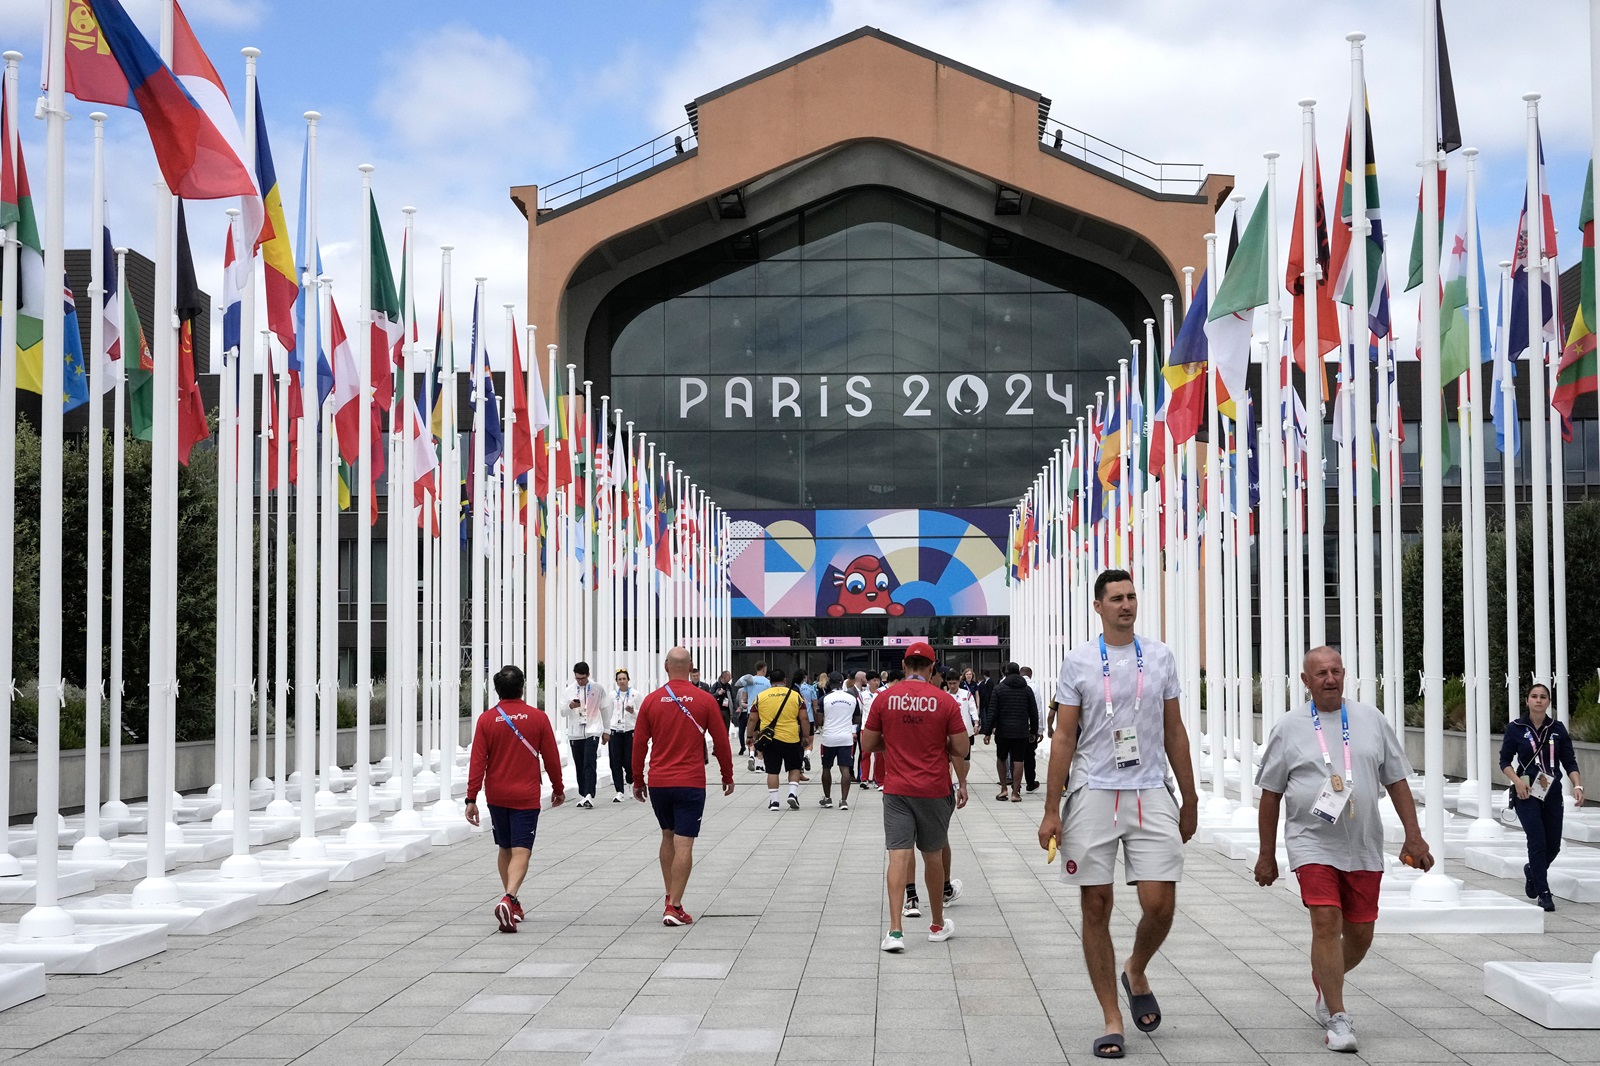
pixel 778 714
pixel 587 709
pixel 722 691
pixel 1013 725
pixel 1325 769
pixel 918 727
pixel 751 686
pixel 1533 753
pixel 1117 698
pixel 841 715
pixel 871 767
pixel 511 743
pixel 808 696
pixel 618 738
pixel 672 727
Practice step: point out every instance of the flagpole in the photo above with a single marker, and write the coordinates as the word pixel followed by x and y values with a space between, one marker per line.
pixel 323 748
pixel 1361 455
pixel 1316 494
pixel 1434 886
pixel 401 687
pixel 1215 655
pixel 92 844
pixel 1483 827
pixel 531 542
pixel 1508 494
pixel 1393 693
pixel 225 610
pixel 263 575
pixel 1537 398
pixel 1558 531
pixel 449 722
pixel 550 585
pixel 508 513
pixel 280 807
pixel 114 807
pixel 9 866
pixel 1344 431
pixel 306 611
pixel 1269 545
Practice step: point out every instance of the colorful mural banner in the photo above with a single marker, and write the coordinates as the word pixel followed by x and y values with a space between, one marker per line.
pixel 893 563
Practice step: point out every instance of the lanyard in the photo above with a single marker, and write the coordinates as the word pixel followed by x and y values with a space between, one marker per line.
pixel 1105 675
pixel 686 712
pixel 506 719
pixel 1344 728
pixel 1549 762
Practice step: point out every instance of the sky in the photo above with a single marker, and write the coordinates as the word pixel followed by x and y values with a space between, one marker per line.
pixel 455 103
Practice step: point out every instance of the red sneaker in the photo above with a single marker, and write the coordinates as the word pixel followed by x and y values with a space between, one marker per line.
pixel 676 916
pixel 516 910
pixel 505 915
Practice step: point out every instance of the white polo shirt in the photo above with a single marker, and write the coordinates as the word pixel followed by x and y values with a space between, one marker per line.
pixel 1082 684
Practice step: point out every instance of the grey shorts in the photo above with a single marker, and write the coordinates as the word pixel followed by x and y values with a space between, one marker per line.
pixel 922 822
pixel 1143 823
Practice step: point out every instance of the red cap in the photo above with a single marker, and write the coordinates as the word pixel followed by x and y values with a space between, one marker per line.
pixel 920 650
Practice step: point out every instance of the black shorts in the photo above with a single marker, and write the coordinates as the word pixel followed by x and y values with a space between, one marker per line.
pixel 679 809
pixel 514 827
pixel 1016 750
pixel 840 756
pixel 783 757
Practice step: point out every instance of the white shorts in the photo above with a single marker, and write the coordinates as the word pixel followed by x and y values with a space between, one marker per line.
pixel 1144 821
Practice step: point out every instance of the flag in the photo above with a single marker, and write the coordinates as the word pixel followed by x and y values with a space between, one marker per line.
pixel 1455 356
pixel 1343 235
pixel 1518 326
pixel 522 452
pixel 232 301
pixel 186 112
pixel 1578 369
pixel 140 370
pixel 346 389
pixel 1158 428
pixel 308 266
pixel 388 334
pixel 436 380
pixel 1110 459
pixel 1448 121
pixel 1185 372
pixel 190 305
pixel 424 461
pixel 1294 280
pixel 1244 287
pixel 16 208
pixel 281 278
pixel 1414 275
pixel 1505 371
pixel 108 369
pixel 75 376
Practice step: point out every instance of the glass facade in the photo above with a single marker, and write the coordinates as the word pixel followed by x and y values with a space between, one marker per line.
pixel 871 350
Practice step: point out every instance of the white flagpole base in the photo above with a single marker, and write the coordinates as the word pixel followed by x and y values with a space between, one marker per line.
pixel 363 833
pixel 199 916
pixel 20 982
pixel 240 868
pixel 114 809
pixel 308 848
pixel 1556 995
pixel 89 949
pixel 92 847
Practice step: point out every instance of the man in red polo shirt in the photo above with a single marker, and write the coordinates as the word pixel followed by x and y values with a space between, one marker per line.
pixel 919 728
pixel 509 741
pixel 672 725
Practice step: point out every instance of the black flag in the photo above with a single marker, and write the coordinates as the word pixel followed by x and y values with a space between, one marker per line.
pixel 1449 122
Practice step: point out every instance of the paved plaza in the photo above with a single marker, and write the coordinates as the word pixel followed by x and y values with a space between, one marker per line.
pixel 781 965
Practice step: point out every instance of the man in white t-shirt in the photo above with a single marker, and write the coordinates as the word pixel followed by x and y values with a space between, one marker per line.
pixel 1119 728
pixel 841 715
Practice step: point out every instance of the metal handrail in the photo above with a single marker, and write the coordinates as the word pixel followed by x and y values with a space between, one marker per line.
pixel 634 161
pixel 1185 178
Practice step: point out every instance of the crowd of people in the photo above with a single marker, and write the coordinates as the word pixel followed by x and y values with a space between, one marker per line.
pixel 1119 785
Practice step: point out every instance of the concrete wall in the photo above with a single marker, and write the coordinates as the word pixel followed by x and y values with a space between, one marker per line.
pixel 194 768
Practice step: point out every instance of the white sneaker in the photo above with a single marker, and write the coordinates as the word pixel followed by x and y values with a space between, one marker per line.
pixel 1322 1005
pixel 893 943
pixel 912 909
pixel 617 798
pixel 752 764
pixel 945 931
pixel 953 893
pixel 1341 1034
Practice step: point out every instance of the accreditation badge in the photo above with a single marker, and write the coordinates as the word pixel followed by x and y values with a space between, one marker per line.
pixel 1330 803
pixel 1125 742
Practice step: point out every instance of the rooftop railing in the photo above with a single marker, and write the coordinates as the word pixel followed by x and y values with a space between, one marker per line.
pixel 634 161
pixel 1180 178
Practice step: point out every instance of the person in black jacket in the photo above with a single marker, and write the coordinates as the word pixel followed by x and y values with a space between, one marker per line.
pixel 1013 715
pixel 1540 747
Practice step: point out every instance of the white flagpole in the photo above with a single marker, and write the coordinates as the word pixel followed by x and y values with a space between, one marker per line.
pixel 531 542
pixel 1558 531
pixel 91 844
pixel 1508 494
pixel 114 807
pixel 1537 401
pixel 1315 493
pixel 1483 827
pixel 401 688
pixel 449 721
pixel 1346 450
pixel 227 463
pixel 480 488
pixel 1150 530
pixel 1362 640
pixel 1393 694
pixel 508 592
pixel 1215 652
pixel 1434 885
pixel 156 889
pixel 9 866
pixel 263 523
pixel 550 584
pixel 585 604
pixel 280 807
pixel 328 581
pixel 1270 551
pixel 362 831
pixel 306 609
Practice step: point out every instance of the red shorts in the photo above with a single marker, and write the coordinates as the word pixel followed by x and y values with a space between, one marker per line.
pixel 1353 892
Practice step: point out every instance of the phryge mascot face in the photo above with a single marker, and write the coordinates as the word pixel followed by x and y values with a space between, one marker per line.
pixel 864 588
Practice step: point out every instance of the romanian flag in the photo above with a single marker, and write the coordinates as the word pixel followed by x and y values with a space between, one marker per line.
pixel 282 281
pixel 1185 371
pixel 1579 371
pixel 190 305
pixel 186 112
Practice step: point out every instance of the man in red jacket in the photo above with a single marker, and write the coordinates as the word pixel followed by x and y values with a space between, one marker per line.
pixel 672 726
pixel 509 742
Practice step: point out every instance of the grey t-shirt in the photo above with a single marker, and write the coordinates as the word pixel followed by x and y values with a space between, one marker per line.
pixel 1292 765
pixel 1081 684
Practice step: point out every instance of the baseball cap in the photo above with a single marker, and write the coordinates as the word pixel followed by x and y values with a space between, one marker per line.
pixel 920 650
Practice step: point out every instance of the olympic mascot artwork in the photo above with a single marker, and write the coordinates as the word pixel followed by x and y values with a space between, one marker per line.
pixel 865 587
